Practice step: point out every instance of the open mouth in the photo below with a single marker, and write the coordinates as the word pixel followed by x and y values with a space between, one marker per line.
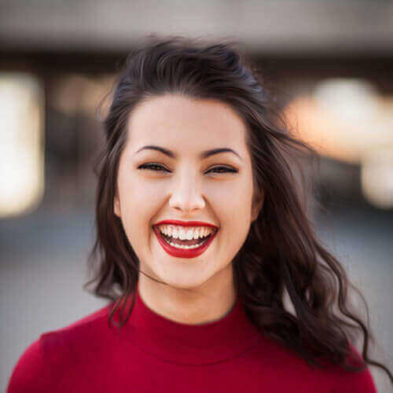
pixel 179 245
pixel 185 244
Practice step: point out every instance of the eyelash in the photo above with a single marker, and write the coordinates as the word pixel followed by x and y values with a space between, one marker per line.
pixel 163 169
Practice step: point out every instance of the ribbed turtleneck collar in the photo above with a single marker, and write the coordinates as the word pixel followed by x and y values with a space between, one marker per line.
pixel 181 343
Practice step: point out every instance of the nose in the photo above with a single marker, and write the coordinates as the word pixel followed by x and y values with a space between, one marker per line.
pixel 186 194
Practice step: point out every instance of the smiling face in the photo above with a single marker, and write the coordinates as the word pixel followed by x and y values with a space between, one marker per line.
pixel 185 186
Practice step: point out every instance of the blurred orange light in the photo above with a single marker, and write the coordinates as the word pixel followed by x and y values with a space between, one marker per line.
pixel 346 120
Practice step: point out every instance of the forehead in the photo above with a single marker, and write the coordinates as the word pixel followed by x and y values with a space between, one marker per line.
pixel 185 124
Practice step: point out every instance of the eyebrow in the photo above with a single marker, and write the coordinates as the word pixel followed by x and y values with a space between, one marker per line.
pixel 203 155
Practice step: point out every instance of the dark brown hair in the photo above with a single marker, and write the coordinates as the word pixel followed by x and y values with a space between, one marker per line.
pixel 281 255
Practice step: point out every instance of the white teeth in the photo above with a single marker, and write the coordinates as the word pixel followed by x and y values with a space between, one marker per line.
pixel 184 246
pixel 190 234
pixel 182 234
pixel 185 233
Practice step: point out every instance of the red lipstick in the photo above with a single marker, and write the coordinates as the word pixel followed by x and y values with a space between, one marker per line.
pixel 186 223
pixel 179 252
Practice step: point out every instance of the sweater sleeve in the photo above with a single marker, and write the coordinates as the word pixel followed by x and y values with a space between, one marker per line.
pixel 30 374
pixel 355 382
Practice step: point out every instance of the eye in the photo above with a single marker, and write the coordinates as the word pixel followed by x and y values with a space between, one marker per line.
pixel 222 169
pixel 153 167
pixel 159 168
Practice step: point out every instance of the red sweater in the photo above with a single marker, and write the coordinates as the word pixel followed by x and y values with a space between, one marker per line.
pixel 154 354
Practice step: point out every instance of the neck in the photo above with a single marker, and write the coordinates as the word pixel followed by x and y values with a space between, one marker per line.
pixel 207 303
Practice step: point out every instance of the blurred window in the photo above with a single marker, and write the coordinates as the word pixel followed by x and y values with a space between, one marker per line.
pixel 21 143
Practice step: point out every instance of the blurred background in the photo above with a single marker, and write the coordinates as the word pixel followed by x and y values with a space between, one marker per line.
pixel 330 63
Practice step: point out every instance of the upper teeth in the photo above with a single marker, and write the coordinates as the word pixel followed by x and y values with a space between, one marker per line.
pixel 185 233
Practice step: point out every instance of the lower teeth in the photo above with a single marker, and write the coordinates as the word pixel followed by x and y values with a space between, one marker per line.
pixel 184 246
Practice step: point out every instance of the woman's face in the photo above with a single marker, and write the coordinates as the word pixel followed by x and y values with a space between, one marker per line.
pixel 216 189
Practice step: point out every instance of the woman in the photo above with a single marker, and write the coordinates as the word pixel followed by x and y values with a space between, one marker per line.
pixel 200 236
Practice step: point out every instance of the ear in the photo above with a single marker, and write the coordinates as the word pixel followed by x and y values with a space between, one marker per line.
pixel 116 206
pixel 257 206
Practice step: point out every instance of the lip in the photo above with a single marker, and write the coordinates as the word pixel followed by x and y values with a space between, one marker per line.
pixel 183 253
pixel 186 223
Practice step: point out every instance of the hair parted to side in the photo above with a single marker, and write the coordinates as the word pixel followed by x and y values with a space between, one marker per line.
pixel 281 254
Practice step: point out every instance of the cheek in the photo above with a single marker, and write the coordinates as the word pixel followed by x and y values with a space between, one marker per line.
pixel 136 193
pixel 233 210
pixel 232 198
pixel 137 204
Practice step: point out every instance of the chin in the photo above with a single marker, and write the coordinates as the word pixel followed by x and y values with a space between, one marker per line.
pixel 184 280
